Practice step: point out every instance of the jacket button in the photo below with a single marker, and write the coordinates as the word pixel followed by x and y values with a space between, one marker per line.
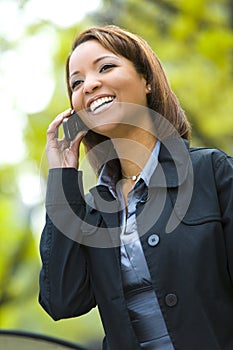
pixel 171 299
pixel 153 240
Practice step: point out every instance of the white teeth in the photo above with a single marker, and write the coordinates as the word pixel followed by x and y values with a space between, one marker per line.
pixel 97 103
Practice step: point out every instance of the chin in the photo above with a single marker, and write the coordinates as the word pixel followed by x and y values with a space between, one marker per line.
pixel 109 130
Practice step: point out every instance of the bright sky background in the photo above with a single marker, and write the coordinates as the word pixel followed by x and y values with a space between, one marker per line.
pixel 21 84
pixel 26 84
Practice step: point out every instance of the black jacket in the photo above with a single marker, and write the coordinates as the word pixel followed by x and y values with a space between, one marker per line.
pixel 190 260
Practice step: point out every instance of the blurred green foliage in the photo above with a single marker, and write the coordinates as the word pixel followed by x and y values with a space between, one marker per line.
pixel 194 40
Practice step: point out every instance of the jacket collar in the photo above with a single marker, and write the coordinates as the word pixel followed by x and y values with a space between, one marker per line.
pixel 173 168
pixel 174 163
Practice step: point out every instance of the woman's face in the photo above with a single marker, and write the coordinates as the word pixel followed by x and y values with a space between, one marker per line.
pixel 99 79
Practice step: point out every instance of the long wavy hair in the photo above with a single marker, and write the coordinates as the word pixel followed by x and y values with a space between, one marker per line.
pixel 162 99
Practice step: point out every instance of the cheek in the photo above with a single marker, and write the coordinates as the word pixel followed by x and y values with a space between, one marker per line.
pixel 76 101
pixel 134 89
pixel 72 100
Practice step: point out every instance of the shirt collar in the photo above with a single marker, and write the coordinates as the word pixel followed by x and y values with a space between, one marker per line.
pixel 111 173
pixel 151 164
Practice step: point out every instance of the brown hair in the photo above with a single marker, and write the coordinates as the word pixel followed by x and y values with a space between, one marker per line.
pixel 131 46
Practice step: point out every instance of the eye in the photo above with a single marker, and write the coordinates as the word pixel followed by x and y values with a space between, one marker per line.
pixel 107 67
pixel 76 84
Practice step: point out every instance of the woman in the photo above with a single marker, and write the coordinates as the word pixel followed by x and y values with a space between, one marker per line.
pixel 151 244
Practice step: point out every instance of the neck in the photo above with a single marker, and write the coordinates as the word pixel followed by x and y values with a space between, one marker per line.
pixel 134 151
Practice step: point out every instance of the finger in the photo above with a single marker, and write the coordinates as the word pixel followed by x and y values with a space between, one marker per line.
pixel 76 142
pixel 52 131
pixel 64 144
pixel 63 115
pixel 79 137
pixel 58 120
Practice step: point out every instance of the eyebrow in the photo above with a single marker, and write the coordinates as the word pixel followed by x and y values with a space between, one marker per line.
pixel 96 61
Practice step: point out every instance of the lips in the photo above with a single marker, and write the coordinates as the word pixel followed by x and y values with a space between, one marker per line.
pixel 99 102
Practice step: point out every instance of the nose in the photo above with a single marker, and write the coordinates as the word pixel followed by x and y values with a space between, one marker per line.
pixel 91 84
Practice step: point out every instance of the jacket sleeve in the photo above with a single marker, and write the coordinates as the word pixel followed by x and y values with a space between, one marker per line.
pixel 65 288
pixel 223 165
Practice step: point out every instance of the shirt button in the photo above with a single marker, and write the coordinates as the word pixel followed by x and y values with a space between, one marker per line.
pixel 171 299
pixel 153 240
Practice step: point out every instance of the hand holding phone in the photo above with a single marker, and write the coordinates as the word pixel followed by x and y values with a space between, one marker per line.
pixel 72 126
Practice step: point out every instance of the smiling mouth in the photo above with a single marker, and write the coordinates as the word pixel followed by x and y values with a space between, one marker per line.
pixel 101 102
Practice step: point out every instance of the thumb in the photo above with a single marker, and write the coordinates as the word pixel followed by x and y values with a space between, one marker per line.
pixel 74 145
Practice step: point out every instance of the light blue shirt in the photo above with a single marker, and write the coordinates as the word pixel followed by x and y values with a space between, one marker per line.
pixel 142 302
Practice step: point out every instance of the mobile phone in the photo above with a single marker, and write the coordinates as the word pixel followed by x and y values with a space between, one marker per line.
pixel 72 126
